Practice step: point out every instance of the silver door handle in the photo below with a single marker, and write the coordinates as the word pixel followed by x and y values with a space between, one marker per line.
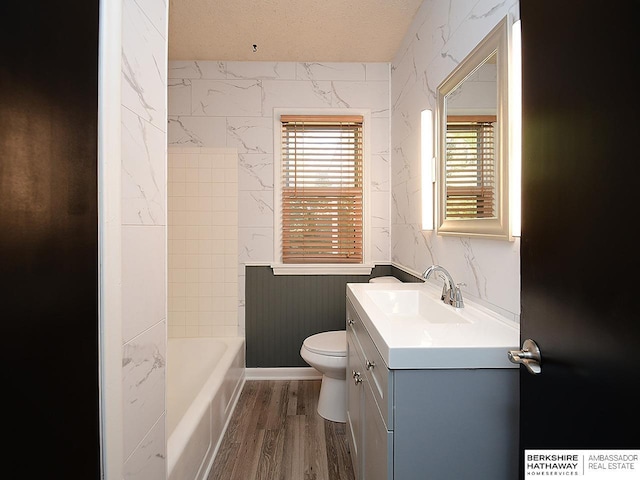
pixel 529 356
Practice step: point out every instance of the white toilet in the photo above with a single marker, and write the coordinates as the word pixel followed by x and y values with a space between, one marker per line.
pixel 327 353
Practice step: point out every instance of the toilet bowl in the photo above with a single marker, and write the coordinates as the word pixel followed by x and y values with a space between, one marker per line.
pixel 327 353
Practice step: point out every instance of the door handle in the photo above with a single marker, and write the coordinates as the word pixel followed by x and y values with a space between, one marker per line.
pixel 529 356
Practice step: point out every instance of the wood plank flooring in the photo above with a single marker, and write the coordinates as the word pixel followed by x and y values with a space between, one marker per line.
pixel 275 433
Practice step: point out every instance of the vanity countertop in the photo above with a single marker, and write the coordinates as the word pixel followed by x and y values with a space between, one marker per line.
pixel 411 332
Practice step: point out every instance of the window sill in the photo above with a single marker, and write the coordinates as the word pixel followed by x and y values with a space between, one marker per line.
pixel 321 269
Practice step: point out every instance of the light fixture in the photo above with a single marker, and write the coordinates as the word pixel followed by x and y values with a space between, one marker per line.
pixel 428 168
pixel 515 129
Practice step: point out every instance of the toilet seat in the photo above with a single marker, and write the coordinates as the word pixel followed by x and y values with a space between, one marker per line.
pixel 328 343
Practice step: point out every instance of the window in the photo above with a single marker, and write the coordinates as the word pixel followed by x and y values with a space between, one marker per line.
pixel 322 189
pixel 470 167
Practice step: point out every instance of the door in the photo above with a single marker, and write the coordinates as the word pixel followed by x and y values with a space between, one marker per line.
pixel 49 238
pixel 579 261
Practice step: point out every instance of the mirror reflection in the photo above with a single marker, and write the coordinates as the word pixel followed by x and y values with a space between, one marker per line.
pixel 470 162
pixel 473 142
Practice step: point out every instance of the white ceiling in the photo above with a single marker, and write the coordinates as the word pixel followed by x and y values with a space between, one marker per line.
pixel 288 30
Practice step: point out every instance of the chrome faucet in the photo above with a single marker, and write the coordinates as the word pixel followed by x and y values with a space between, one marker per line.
pixel 451 294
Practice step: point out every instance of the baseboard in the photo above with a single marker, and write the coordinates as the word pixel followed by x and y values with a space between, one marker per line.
pixel 284 373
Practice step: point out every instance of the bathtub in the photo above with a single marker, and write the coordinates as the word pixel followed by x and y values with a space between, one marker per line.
pixel 204 380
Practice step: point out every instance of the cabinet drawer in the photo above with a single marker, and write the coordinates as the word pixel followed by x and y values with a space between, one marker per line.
pixel 378 441
pixel 378 375
pixel 375 369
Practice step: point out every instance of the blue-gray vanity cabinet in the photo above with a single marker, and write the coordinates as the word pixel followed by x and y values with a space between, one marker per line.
pixel 427 423
pixel 370 438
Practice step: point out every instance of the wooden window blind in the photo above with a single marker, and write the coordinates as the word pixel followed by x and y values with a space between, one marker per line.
pixel 470 167
pixel 322 189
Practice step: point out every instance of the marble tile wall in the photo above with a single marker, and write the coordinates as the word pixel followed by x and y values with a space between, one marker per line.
pixel 144 232
pixel 231 104
pixel 441 35
pixel 203 242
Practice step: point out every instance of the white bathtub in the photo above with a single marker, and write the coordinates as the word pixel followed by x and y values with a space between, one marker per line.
pixel 204 380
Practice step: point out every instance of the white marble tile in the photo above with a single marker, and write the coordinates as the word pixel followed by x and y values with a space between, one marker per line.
pixel 250 134
pixel 144 66
pixel 330 71
pixel 404 76
pixel 197 131
pixel 380 209
pixel 380 244
pixel 230 98
pixel 157 11
pixel 148 461
pixel 295 94
pixel 255 209
pixel 255 244
pixel 380 168
pixel 261 70
pixel 377 72
pixel 143 385
pixel 197 69
pixel 255 172
pixel 380 135
pixel 143 171
pixel 143 278
pixel 372 95
pixel 179 96
pixel 406 160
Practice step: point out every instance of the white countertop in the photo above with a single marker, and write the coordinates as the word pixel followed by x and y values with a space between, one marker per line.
pixel 406 341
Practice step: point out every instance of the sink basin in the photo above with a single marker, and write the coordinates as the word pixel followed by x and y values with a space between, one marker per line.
pixel 412 328
pixel 414 304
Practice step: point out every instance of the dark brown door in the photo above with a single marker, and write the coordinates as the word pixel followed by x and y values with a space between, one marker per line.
pixel 49 238
pixel 579 250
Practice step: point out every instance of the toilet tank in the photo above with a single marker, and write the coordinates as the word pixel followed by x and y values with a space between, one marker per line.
pixel 385 279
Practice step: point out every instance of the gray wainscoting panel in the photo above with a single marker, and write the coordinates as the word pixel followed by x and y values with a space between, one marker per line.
pixel 282 310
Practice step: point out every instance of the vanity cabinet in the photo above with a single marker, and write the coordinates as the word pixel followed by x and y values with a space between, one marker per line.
pixel 427 423
pixel 369 435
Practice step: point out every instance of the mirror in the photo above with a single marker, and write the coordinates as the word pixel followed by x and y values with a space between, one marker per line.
pixel 473 142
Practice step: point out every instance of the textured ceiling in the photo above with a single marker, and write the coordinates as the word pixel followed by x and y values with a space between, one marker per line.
pixel 288 30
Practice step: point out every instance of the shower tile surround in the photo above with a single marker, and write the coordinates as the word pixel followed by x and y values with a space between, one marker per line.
pixel 202 242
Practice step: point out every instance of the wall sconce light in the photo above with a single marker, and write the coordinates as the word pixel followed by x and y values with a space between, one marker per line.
pixel 428 168
pixel 515 129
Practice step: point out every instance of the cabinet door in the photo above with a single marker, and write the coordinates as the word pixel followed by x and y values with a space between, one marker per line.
pixel 355 401
pixel 378 441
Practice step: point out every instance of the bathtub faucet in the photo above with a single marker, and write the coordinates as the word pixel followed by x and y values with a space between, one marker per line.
pixel 451 294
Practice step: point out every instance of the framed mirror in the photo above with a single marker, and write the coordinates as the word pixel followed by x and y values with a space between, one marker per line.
pixel 473 142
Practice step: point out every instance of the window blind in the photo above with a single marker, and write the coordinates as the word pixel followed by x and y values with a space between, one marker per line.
pixel 470 168
pixel 322 189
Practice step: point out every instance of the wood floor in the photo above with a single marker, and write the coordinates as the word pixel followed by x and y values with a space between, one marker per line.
pixel 275 433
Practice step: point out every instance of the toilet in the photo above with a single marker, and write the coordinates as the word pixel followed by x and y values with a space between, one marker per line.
pixel 327 353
